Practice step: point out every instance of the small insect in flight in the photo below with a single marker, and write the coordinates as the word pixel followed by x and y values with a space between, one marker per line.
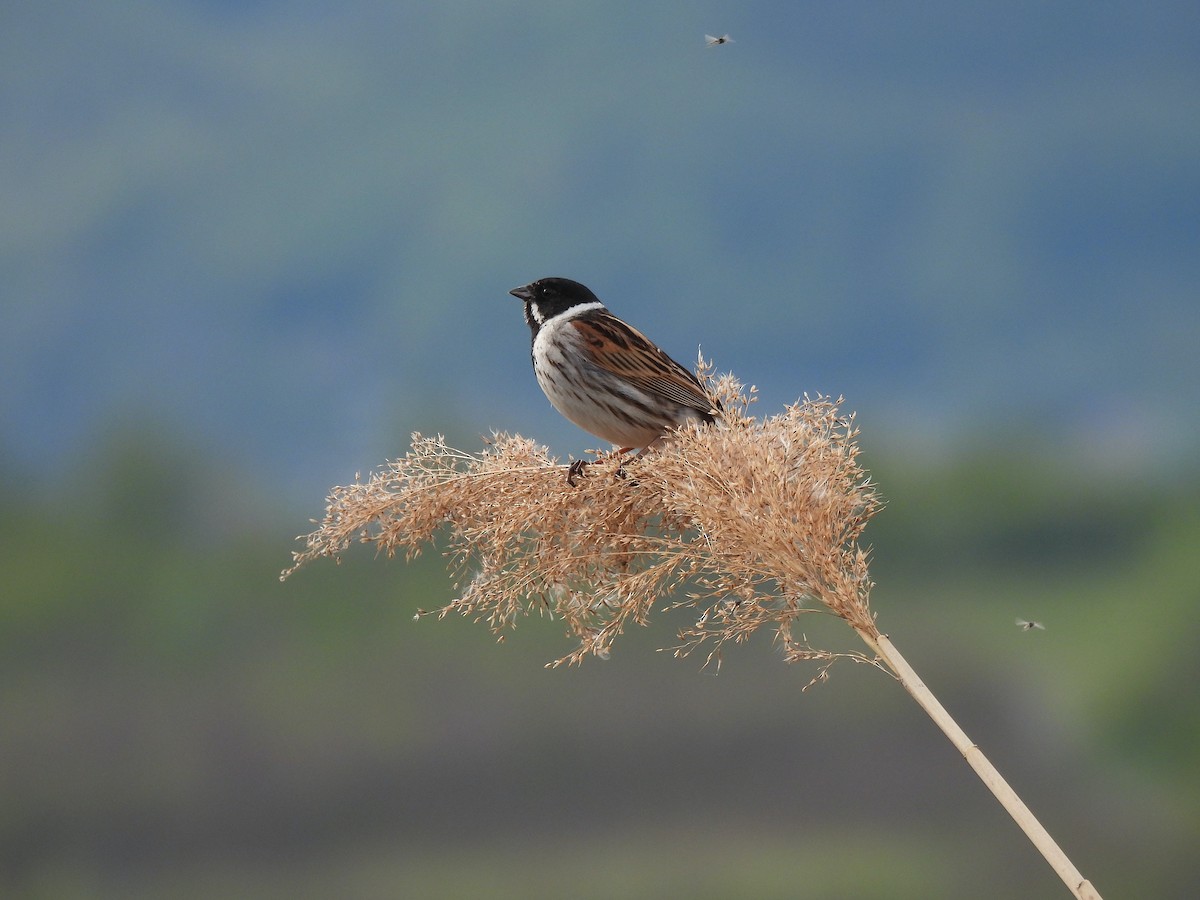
pixel 716 41
pixel 1027 625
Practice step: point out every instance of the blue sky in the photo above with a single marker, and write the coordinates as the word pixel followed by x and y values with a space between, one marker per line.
pixel 286 231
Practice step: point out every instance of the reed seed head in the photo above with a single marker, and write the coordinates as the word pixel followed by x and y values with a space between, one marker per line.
pixel 746 523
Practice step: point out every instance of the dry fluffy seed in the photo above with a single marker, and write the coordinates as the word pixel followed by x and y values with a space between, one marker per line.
pixel 751 522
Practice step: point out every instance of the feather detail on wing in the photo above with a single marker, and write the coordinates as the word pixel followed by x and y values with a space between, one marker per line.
pixel 624 351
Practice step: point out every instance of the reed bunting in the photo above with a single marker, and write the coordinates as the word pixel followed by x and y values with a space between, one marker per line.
pixel 604 375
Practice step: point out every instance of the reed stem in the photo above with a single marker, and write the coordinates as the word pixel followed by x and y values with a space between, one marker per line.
pixel 1071 876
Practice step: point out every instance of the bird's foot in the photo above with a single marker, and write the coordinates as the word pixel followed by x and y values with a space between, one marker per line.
pixel 576 469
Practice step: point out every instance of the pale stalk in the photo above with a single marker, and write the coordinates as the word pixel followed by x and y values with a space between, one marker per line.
pixel 1080 886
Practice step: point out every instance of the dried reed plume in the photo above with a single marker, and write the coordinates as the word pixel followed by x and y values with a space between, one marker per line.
pixel 749 523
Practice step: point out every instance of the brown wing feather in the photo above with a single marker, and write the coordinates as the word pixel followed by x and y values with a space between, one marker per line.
pixel 620 348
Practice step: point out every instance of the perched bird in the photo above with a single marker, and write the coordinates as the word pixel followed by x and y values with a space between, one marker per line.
pixel 604 375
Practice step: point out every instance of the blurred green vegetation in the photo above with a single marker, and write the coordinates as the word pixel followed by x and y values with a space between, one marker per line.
pixel 174 721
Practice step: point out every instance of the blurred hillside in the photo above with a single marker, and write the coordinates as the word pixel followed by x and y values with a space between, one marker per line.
pixel 293 228
pixel 178 723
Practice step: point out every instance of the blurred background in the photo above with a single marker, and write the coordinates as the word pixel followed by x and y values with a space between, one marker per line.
pixel 247 248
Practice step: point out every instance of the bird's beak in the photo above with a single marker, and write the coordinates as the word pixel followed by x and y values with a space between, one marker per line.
pixel 522 293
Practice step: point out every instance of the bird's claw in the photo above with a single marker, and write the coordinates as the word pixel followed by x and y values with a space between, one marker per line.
pixel 576 469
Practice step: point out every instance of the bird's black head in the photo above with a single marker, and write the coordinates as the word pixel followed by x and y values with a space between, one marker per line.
pixel 547 297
